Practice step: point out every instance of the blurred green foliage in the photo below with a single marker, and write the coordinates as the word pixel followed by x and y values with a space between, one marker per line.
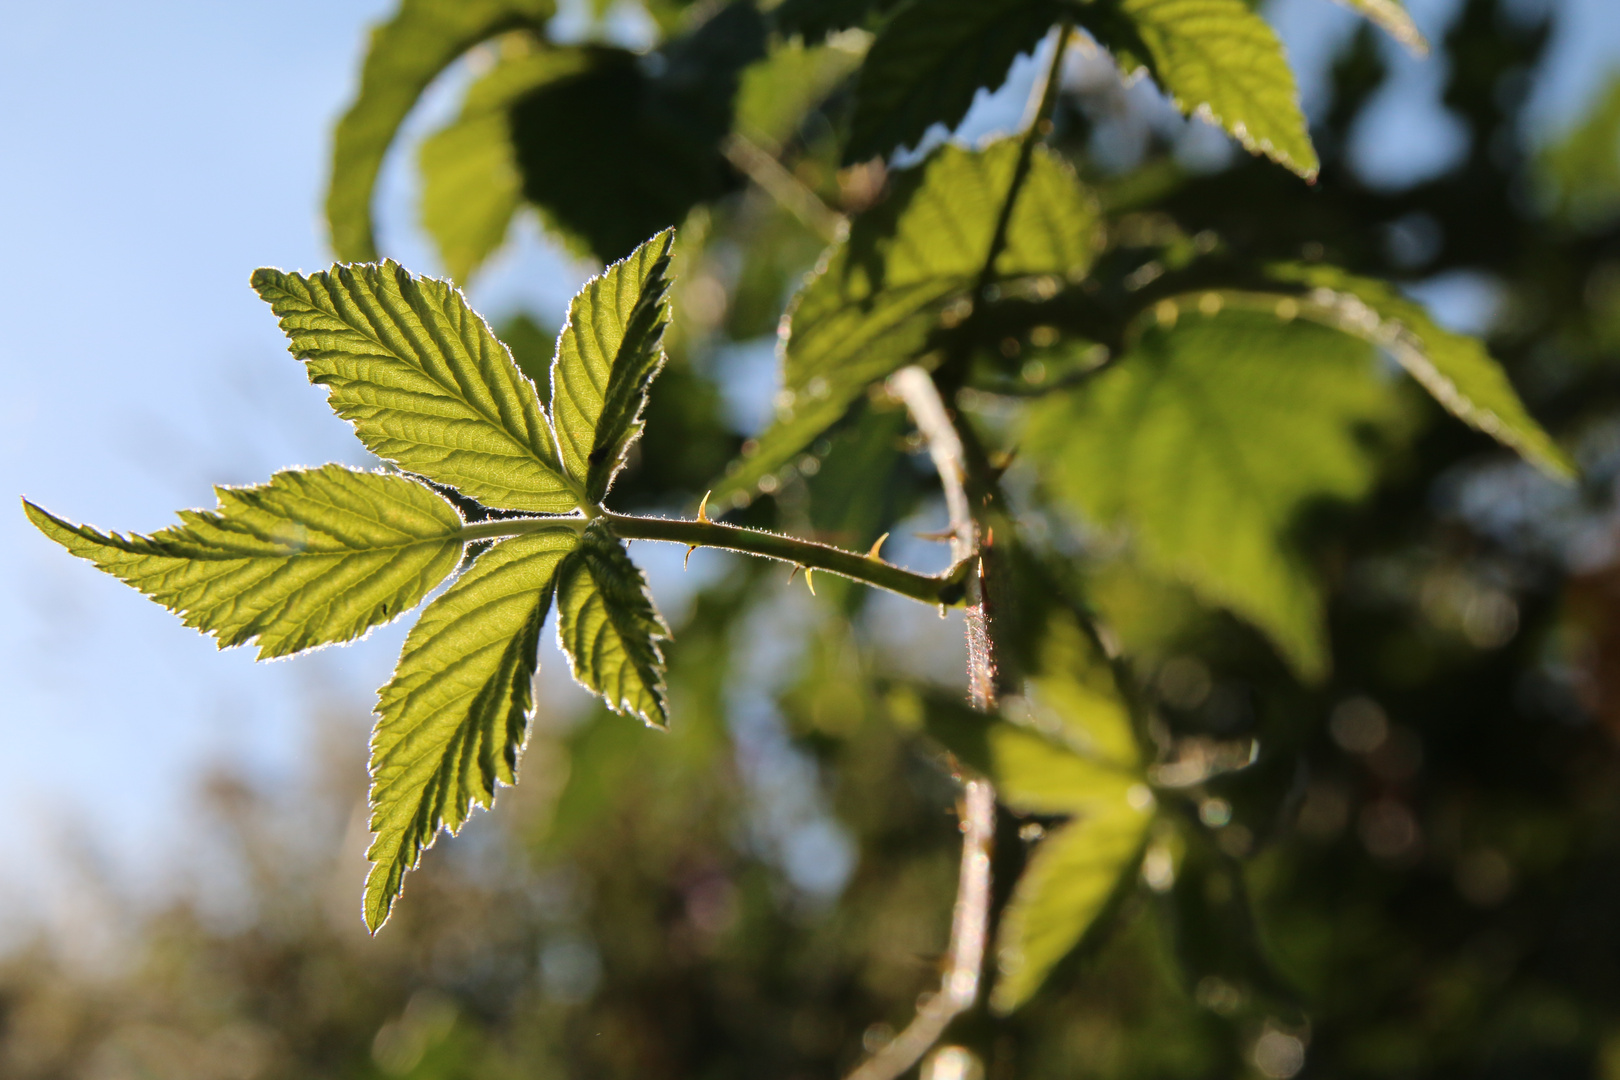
pixel 1408 866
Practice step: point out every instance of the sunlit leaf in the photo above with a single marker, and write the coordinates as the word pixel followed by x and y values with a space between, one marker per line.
pixel 930 61
pixel 871 307
pixel 1205 442
pixel 1216 59
pixel 453 717
pixel 405 55
pixel 1393 17
pixel 607 357
pixel 610 630
pixel 1065 749
pixel 424 381
pixel 1455 368
pixel 471 184
pixel 313 557
pixel 1068 881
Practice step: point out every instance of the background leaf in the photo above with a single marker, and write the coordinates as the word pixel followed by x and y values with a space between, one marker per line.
pixel 1206 441
pixel 930 61
pixel 471 184
pixel 424 381
pixel 815 19
pixel 871 307
pixel 1216 59
pixel 453 717
pixel 1454 368
pixel 1393 17
pixel 610 630
pixel 315 556
pixel 608 354
pixel 404 56
pixel 626 147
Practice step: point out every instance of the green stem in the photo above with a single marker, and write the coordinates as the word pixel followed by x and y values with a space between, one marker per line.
pixel 944 589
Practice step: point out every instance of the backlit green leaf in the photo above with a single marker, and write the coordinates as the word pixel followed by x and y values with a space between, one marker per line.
pixel 871 307
pixel 1216 59
pixel 1393 17
pixel 313 557
pixel 1455 368
pixel 471 185
pixel 1065 886
pixel 607 357
pixel 610 630
pixel 453 717
pixel 1205 442
pixel 405 55
pixel 929 62
pixel 424 381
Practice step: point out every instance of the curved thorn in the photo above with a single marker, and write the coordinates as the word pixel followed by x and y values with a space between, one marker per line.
pixel 810 581
pixel 877 546
pixel 793 573
pixel 703 507
pixel 687 561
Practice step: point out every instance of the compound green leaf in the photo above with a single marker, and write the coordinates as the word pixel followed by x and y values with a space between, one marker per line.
pixel 609 352
pixel 453 717
pixel 424 381
pixel 874 303
pixel 405 55
pixel 313 557
pixel 1393 18
pixel 609 629
pixel 1454 368
pixel 1205 442
pixel 929 62
pixel 1216 59
pixel 471 184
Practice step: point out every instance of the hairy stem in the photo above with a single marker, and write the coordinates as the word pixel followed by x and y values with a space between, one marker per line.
pixel 970 923
pixel 945 589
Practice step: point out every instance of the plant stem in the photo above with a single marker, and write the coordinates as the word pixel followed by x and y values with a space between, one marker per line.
pixel 969 931
pixel 1038 125
pixel 945 589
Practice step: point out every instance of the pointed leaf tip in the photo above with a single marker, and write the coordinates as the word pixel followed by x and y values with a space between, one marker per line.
pixel 453 717
pixel 314 557
pixel 608 354
pixel 610 630
pixel 424 381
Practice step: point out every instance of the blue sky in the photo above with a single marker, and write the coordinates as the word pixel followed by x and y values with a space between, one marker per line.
pixel 155 155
